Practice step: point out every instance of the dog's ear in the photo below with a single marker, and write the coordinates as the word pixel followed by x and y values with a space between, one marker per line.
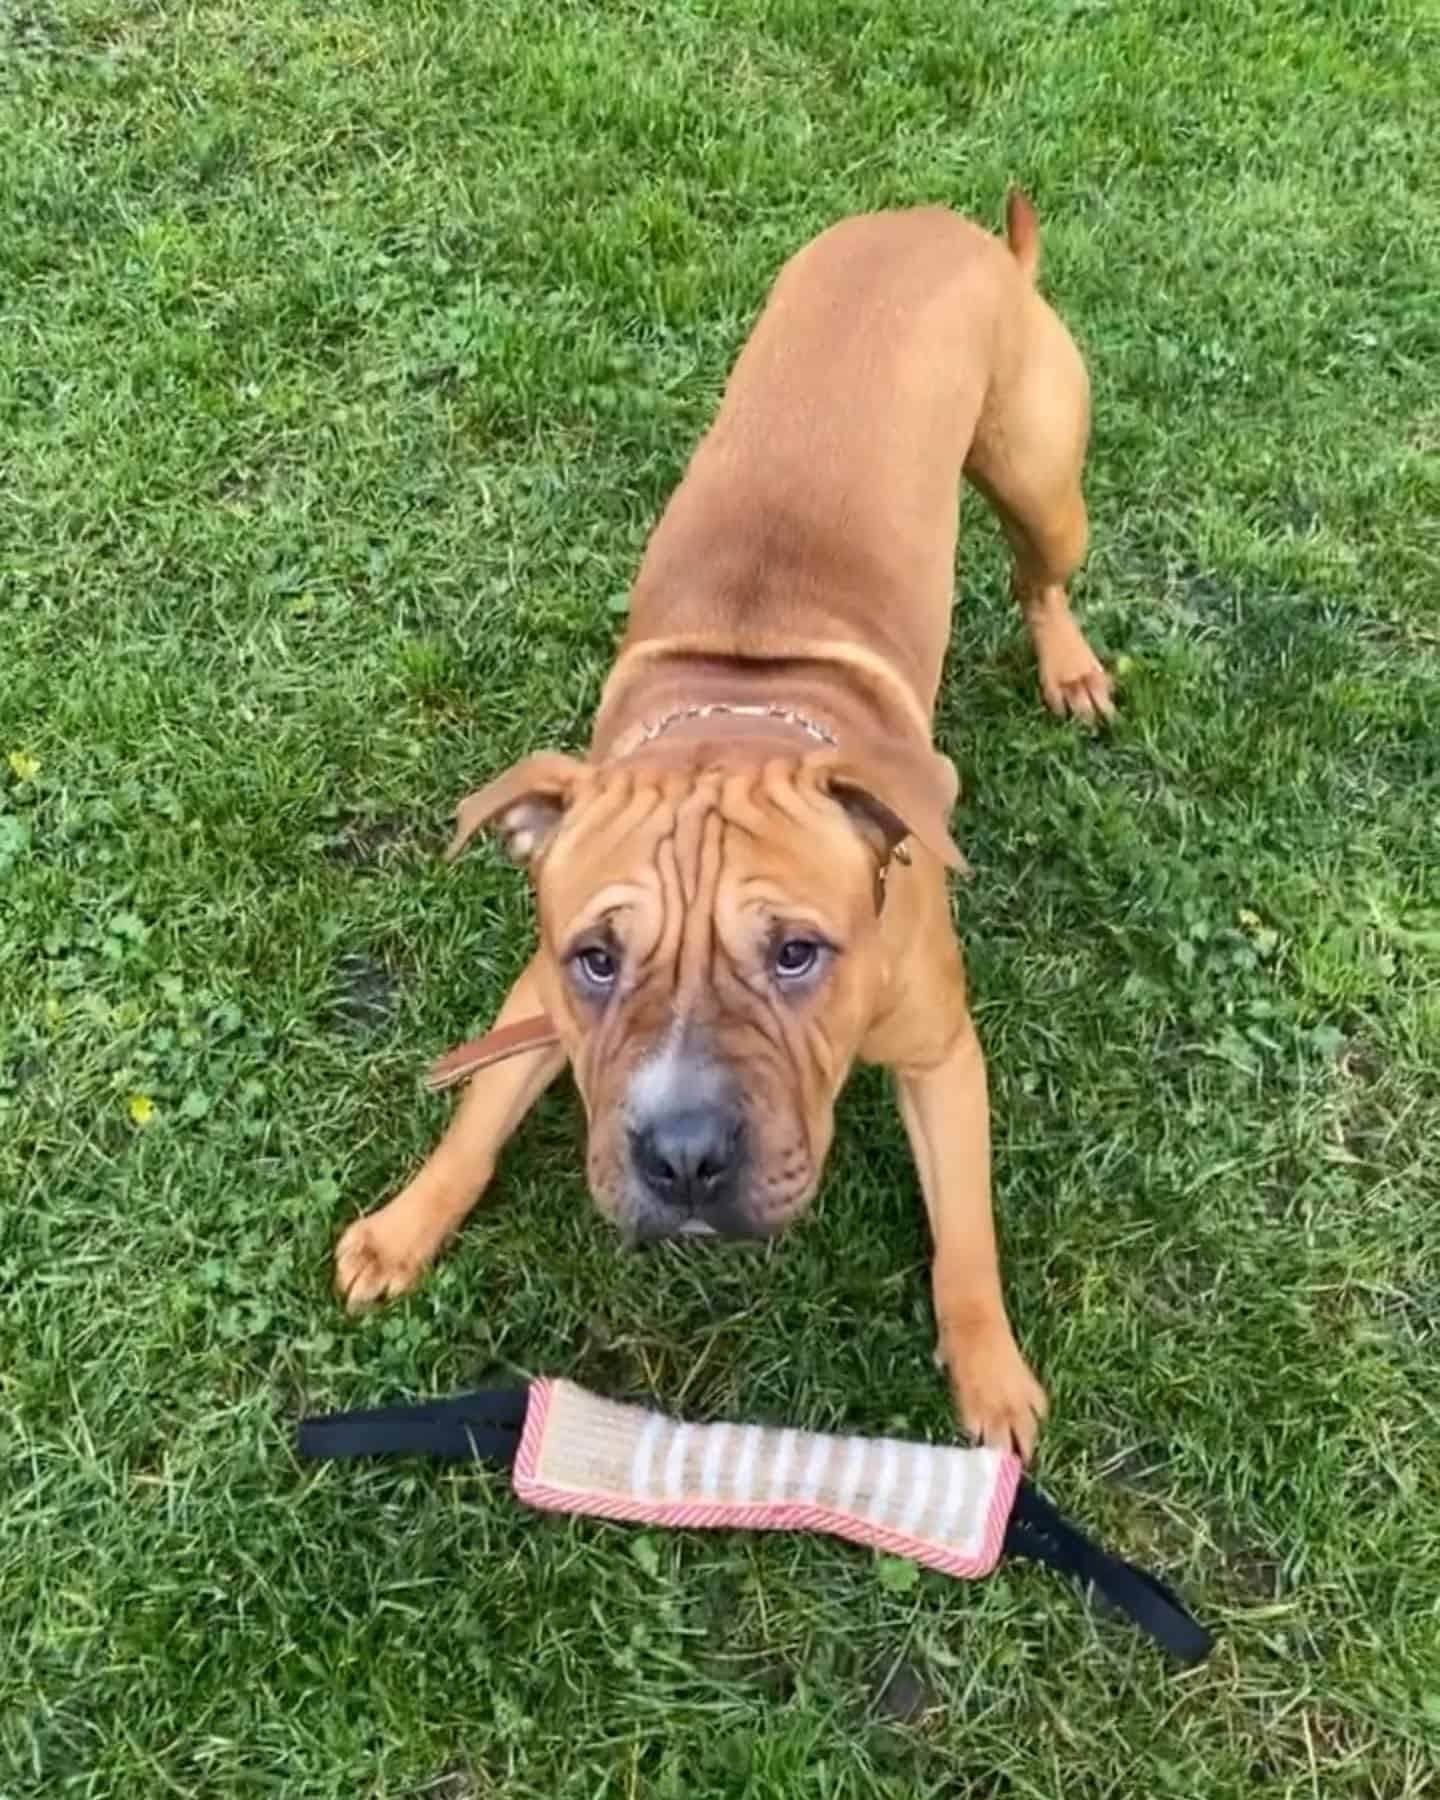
pixel 524 805
pixel 891 796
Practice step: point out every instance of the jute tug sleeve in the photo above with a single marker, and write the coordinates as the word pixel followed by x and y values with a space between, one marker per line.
pixel 938 1505
pixel 953 1509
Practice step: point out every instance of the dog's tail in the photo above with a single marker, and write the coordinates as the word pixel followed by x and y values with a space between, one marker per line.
pixel 1022 228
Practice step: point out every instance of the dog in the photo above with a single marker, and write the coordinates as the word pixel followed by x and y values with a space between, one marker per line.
pixel 742 889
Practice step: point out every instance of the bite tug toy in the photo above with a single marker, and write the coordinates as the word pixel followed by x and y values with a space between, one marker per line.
pixel 953 1509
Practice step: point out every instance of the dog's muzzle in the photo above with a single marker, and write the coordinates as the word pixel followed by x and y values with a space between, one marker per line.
pixel 686 1147
pixel 689 1160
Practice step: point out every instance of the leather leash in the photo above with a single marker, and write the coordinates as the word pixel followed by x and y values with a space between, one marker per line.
pixel 477 1053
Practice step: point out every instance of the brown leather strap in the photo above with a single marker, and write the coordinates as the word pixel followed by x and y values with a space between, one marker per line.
pixel 478 1053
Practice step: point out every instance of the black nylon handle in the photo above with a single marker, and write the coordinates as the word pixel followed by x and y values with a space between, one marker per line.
pixel 1039 1531
pixel 484 1424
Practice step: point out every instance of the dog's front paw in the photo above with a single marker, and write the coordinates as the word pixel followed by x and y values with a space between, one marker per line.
pixel 1082 694
pixel 376 1259
pixel 999 1401
pixel 1072 677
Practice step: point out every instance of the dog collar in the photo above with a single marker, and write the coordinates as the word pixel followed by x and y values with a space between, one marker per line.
pixel 788 715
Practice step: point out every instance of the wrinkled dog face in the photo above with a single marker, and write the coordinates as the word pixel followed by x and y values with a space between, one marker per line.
pixel 712 959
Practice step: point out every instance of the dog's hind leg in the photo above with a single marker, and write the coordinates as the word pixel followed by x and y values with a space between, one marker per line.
pixel 386 1253
pixel 1027 459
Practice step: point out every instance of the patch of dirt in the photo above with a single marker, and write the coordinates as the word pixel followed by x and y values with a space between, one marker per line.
pixel 368 845
pixel 454 1783
pixel 1141 1467
pixel 901 1693
pixel 366 993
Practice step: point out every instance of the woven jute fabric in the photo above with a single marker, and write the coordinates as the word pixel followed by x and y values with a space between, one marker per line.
pixel 940 1504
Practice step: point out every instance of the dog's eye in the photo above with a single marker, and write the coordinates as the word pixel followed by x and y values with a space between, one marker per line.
pixel 796 957
pixel 598 965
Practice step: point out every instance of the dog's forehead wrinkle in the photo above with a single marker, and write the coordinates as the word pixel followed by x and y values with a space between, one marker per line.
pixel 619 805
pixel 597 907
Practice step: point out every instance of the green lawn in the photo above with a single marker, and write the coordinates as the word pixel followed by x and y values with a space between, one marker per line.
pixel 347 352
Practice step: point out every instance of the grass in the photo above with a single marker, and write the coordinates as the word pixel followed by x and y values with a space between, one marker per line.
pixel 350 350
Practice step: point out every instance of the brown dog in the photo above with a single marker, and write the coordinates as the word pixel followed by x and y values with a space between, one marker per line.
pixel 742 889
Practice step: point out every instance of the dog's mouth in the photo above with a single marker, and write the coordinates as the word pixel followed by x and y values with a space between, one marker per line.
pixel 642 1225
pixel 640 1222
pixel 644 1229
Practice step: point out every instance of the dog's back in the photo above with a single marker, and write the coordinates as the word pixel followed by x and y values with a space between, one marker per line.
pixel 826 491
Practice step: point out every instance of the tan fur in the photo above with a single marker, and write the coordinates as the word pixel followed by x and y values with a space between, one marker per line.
pixel 805 563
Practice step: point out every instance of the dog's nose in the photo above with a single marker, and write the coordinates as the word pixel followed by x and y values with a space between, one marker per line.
pixel 689 1159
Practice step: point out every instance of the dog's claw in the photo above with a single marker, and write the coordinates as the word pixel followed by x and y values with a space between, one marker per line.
pixel 370 1265
pixel 1089 695
pixel 999 1402
pixel 1073 680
